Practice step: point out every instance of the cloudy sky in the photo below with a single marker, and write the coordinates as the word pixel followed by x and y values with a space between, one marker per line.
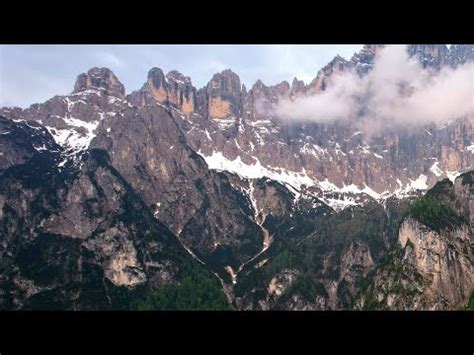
pixel 34 73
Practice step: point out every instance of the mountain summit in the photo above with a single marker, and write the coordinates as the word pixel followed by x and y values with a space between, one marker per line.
pixel 101 79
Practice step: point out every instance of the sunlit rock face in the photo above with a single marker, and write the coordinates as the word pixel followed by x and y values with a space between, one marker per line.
pixel 174 89
pixel 223 96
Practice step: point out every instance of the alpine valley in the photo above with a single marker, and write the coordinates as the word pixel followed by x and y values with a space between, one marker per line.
pixel 173 197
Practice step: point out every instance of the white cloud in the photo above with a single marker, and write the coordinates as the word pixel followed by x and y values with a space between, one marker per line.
pixel 109 59
pixel 396 93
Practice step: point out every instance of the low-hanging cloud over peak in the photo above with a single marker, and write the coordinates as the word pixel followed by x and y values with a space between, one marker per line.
pixel 397 92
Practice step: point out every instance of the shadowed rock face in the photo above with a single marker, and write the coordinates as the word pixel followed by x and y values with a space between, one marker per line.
pixel 223 96
pixel 102 195
pixel 76 237
pixel 147 147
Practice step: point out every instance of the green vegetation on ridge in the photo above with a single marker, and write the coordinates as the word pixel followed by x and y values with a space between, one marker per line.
pixel 470 306
pixel 198 290
pixel 434 213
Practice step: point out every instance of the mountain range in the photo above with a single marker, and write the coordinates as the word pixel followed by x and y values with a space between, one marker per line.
pixel 174 197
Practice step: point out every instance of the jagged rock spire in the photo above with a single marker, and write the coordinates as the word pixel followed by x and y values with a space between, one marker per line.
pixel 223 94
pixel 102 79
pixel 174 89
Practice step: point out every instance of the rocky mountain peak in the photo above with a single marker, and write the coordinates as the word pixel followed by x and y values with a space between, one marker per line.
pixel 336 61
pixel 295 81
pixel 173 89
pixel 229 73
pixel 223 94
pixel 429 55
pixel 225 80
pixel 157 84
pixel 297 88
pixel 244 90
pixel 102 79
pixel 157 75
pixel 258 85
pixel 433 49
pixel 283 87
pixel 336 65
pixel 460 54
pixel 364 59
pixel 176 77
pixel 372 48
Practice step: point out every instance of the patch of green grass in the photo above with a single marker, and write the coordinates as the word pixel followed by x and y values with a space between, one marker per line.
pixel 434 213
pixel 284 260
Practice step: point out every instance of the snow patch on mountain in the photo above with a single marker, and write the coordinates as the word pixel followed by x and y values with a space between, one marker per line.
pixel 313 149
pixel 72 138
pixel 218 161
pixel 336 197
pixel 436 170
pixel 419 183
pixel 452 175
pixel 339 204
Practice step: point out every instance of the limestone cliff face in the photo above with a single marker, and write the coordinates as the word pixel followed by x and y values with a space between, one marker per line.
pixel 261 99
pixel 363 61
pixel 174 89
pixel 464 192
pixel 157 85
pixel 96 95
pixel 227 119
pixel 428 268
pixel 223 95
